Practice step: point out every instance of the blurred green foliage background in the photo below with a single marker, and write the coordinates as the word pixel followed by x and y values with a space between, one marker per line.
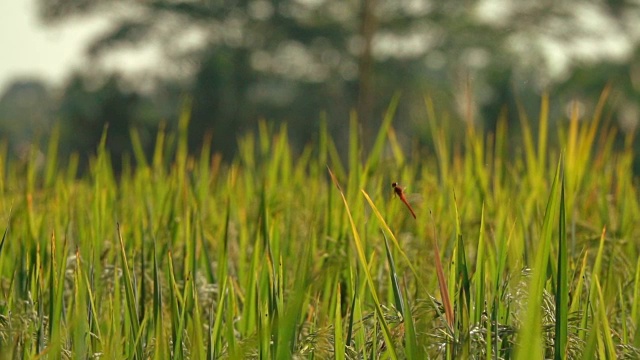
pixel 297 61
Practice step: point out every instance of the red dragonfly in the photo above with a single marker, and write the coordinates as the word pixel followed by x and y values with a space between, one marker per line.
pixel 399 191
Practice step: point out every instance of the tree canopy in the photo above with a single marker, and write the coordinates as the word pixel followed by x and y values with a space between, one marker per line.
pixel 290 60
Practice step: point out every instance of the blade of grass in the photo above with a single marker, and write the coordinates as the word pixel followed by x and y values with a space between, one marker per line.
pixel 188 299
pixel 395 286
pixel 161 350
pixel 480 275
pixel 79 316
pixel 530 342
pixel 352 311
pixel 138 148
pixel 388 231
pixel 194 324
pixel 56 292
pixel 230 329
pixel 215 323
pixel 52 156
pixel 378 146
pixel 412 349
pixel 562 285
pixel 462 274
pixel 176 303
pixel 442 283
pixel 134 320
pixel 337 326
pixel 607 336
pixel 363 262
pixel 635 308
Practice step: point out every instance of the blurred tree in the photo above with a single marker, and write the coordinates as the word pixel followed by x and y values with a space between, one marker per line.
pixel 291 59
pixel 251 58
pixel 25 114
pixel 88 106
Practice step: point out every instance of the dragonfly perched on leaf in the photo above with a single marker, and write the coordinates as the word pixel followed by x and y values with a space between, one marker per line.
pixel 399 191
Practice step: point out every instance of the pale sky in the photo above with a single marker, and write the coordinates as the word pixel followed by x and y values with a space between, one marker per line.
pixel 30 49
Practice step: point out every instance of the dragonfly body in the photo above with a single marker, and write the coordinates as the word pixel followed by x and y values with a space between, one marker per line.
pixel 399 191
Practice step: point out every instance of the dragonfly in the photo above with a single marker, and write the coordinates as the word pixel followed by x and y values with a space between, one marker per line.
pixel 399 191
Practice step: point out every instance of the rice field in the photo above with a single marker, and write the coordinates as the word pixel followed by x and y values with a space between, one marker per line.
pixel 515 253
